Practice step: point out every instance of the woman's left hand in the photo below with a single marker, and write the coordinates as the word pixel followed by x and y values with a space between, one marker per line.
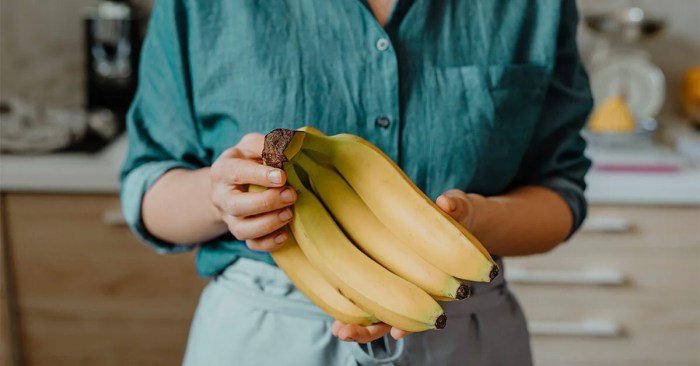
pixel 365 334
pixel 456 203
pixel 459 205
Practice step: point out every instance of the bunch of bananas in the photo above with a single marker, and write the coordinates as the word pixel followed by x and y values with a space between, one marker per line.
pixel 367 245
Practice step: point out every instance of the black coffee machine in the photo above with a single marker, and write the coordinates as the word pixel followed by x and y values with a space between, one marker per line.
pixel 114 32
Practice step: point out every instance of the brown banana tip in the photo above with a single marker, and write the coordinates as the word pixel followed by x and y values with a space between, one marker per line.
pixel 441 321
pixel 276 142
pixel 494 272
pixel 463 292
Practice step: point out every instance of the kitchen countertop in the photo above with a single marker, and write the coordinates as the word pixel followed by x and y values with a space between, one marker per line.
pixel 64 172
pixel 99 173
pixel 647 174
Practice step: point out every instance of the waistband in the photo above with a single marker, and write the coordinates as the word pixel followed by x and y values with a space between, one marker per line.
pixel 266 287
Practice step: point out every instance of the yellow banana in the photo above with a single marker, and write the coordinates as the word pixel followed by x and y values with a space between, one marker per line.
pixel 396 201
pixel 311 282
pixel 311 129
pixel 363 227
pixel 390 298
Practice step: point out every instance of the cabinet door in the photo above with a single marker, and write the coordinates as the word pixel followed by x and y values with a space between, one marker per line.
pixel 622 292
pixel 88 292
pixel 9 346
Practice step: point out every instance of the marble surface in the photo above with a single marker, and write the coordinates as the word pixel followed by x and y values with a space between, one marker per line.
pixel 83 173
pixel 64 172
pixel 670 179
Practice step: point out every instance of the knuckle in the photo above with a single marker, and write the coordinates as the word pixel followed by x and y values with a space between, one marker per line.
pixel 235 229
pixel 252 244
pixel 232 208
pixel 272 225
pixel 231 151
pixel 215 172
pixel 242 235
pixel 252 136
pixel 268 203
pixel 259 245
pixel 236 177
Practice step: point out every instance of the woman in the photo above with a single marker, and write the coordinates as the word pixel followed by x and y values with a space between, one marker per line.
pixel 480 102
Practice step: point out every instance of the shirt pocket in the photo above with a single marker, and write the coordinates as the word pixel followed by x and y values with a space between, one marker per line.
pixel 517 92
pixel 497 108
pixel 512 94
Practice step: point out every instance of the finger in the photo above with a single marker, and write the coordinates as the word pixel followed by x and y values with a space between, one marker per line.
pixel 244 171
pixel 252 144
pixel 363 334
pixel 254 203
pixel 455 203
pixel 397 333
pixel 336 327
pixel 269 242
pixel 254 227
pixel 446 203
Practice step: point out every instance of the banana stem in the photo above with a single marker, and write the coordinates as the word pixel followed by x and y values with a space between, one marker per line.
pixel 293 178
pixel 319 144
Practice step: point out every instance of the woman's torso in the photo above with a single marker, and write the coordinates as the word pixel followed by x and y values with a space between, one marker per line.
pixel 452 90
pixel 461 82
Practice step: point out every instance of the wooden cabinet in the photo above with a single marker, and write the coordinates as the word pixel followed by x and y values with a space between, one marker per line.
pixel 87 292
pixel 623 291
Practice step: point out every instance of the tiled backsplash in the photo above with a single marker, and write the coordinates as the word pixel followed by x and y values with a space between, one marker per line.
pixel 41 45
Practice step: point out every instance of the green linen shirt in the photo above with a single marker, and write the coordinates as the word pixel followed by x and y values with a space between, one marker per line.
pixel 479 95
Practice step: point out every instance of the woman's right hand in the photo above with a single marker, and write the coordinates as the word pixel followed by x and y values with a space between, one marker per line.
pixel 256 217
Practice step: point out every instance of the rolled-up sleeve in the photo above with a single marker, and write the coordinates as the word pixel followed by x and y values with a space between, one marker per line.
pixel 555 158
pixel 161 129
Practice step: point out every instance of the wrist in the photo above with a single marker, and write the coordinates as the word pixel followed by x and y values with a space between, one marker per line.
pixel 214 216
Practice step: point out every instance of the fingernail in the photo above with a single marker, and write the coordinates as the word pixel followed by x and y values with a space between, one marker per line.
pixel 285 215
pixel 275 176
pixel 450 204
pixel 287 195
pixel 281 238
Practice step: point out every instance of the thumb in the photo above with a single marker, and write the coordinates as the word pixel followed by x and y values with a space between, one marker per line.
pixel 455 203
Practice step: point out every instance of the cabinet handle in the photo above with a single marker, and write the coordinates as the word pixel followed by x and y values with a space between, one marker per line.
pixel 586 276
pixel 606 224
pixel 584 328
pixel 113 218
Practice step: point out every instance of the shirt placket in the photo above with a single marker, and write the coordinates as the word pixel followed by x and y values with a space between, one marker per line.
pixel 383 121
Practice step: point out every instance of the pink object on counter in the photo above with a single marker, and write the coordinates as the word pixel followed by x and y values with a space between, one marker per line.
pixel 637 168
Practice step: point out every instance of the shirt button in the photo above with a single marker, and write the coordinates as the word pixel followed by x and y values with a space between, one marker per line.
pixel 382 121
pixel 382 44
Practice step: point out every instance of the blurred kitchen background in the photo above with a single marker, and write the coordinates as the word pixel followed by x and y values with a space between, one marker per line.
pixel 77 288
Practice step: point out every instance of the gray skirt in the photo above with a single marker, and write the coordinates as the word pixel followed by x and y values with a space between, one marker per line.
pixel 252 314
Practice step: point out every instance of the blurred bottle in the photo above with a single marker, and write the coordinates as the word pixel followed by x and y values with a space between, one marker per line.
pixel 114 31
pixel 690 95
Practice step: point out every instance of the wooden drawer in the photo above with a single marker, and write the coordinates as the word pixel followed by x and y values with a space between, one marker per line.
pixel 652 231
pixel 88 292
pixel 656 330
pixel 658 325
pixel 654 296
